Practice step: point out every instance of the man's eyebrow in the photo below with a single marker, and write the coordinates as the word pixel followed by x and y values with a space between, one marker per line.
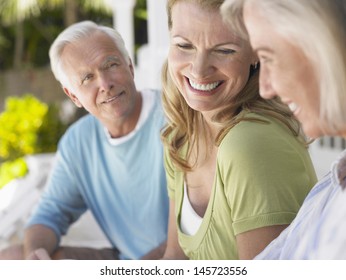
pixel 109 59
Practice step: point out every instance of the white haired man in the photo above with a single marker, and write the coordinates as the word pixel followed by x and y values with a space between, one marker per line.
pixel 110 161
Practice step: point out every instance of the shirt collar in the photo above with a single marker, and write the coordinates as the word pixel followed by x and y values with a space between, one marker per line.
pixel 339 171
pixel 148 99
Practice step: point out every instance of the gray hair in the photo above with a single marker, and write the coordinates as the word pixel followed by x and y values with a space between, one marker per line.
pixel 318 27
pixel 74 33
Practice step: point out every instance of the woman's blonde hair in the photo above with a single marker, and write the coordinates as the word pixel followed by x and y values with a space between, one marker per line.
pixel 185 125
pixel 318 27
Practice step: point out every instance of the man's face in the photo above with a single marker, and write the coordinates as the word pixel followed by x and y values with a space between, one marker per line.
pixel 101 78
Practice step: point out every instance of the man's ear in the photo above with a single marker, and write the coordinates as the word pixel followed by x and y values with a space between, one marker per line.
pixel 132 69
pixel 73 98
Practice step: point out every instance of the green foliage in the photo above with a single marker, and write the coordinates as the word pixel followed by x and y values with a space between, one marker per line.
pixel 140 11
pixel 12 169
pixel 27 126
pixel 19 124
pixel 45 20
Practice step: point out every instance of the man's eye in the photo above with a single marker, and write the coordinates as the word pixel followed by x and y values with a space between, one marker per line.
pixel 86 78
pixel 113 65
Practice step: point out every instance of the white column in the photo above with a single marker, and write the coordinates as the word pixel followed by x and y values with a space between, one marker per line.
pixel 151 56
pixel 123 21
pixel 157 23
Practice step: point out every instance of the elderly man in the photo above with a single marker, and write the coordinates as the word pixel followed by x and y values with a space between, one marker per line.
pixel 110 161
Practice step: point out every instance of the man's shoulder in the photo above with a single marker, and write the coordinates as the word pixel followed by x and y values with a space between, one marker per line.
pixel 81 127
pixel 83 123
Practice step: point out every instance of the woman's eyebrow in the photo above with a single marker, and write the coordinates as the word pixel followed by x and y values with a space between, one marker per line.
pixel 263 49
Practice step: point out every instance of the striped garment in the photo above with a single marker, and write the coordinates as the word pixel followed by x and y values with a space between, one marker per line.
pixel 319 230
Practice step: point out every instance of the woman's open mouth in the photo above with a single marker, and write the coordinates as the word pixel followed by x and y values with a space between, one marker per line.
pixel 204 87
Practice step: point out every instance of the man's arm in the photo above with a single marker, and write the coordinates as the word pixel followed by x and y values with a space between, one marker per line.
pixel 39 237
pixel 156 253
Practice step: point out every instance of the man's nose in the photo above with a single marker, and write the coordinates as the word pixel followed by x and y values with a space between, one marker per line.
pixel 105 83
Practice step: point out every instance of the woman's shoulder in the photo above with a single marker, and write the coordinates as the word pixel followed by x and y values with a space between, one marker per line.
pixel 256 131
pixel 254 124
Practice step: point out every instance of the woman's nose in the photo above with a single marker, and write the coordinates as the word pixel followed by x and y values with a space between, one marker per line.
pixel 201 65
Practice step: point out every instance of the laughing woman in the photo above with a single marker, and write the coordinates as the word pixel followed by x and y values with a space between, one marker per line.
pixel 237 165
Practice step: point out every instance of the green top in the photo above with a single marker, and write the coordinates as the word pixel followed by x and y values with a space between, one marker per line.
pixel 262 176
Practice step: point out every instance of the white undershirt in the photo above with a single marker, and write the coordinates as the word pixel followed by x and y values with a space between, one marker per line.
pixel 147 103
pixel 190 221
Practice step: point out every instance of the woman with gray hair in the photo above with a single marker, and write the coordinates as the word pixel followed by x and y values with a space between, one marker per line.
pixel 301 48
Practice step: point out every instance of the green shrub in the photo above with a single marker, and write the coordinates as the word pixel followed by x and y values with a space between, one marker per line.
pixel 27 126
pixel 12 169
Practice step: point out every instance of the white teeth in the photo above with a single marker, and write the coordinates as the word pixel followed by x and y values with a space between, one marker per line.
pixel 109 100
pixel 204 87
pixel 292 106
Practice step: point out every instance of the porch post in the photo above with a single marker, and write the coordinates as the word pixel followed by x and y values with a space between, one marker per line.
pixel 151 56
pixel 123 21
pixel 157 24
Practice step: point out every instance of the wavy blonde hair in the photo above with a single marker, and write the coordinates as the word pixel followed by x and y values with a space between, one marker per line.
pixel 185 125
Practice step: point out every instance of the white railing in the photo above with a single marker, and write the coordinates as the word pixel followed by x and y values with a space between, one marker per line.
pixel 18 198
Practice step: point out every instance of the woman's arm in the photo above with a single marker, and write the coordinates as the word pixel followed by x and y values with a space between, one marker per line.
pixel 252 242
pixel 173 249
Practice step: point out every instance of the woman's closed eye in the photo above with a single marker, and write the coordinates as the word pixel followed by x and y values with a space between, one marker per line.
pixel 264 58
pixel 185 46
pixel 225 51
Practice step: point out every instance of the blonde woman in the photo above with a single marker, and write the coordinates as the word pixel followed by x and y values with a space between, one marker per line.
pixel 236 164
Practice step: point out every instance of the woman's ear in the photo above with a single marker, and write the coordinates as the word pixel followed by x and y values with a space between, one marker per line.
pixel 73 97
